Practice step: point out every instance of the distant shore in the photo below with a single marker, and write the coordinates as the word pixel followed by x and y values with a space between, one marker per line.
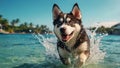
pixel 5 32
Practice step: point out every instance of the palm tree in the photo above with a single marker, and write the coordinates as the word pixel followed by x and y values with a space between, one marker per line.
pixel 26 24
pixel 37 26
pixel 0 17
pixel 5 23
pixel 44 29
pixel 15 22
pixel 31 25
pixel 37 29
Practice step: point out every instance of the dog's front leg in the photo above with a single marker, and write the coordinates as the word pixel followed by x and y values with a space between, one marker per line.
pixel 65 60
pixel 64 56
pixel 81 60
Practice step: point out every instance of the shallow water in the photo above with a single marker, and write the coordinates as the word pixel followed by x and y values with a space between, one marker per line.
pixel 36 51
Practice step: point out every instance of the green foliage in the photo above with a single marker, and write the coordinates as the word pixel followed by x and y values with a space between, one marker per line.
pixel 102 29
pixel 23 27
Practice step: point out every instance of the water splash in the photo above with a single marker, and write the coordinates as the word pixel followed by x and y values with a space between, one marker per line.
pixel 51 54
pixel 96 55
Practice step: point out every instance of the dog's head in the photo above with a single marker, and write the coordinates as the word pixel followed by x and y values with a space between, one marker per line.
pixel 66 25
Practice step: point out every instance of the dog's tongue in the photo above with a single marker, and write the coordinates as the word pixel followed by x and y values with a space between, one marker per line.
pixel 65 37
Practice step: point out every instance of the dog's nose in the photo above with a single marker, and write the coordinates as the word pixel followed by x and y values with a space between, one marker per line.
pixel 62 30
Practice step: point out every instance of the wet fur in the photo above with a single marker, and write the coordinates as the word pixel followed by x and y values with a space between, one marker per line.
pixel 76 49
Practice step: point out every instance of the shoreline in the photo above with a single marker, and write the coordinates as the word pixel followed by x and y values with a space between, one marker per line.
pixel 6 32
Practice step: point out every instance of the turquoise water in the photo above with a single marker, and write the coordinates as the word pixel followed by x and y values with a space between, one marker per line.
pixel 31 51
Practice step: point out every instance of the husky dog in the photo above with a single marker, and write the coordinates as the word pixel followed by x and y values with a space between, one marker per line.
pixel 73 44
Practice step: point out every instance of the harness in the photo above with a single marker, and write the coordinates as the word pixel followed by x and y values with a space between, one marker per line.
pixel 78 42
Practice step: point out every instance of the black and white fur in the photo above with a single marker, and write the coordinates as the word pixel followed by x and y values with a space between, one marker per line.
pixel 73 43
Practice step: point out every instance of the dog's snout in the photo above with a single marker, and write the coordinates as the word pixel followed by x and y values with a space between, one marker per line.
pixel 62 30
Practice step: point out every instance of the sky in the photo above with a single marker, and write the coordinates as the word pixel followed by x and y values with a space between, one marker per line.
pixel 40 11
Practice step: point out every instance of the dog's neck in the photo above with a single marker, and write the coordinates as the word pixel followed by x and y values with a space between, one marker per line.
pixel 71 42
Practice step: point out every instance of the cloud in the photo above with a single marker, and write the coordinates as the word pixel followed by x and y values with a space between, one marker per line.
pixel 105 24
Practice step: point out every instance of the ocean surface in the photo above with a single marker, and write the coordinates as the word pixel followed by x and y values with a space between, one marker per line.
pixel 39 51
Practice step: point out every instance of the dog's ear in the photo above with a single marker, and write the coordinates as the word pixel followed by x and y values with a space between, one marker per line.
pixel 56 11
pixel 76 11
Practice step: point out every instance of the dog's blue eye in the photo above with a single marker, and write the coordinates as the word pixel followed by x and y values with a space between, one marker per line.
pixel 59 24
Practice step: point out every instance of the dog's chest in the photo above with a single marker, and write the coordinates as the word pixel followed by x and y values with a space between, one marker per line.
pixel 71 52
pixel 75 53
pixel 80 48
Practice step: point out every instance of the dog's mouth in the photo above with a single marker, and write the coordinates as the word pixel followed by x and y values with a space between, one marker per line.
pixel 66 37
